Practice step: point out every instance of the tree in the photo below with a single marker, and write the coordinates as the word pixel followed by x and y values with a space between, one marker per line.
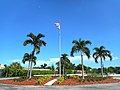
pixel 37 43
pixel 28 58
pixel 15 69
pixel 44 66
pixel 80 46
pixel 65 63
pixel 52 68
pixel 6 70
pixel 111 69
pixel 73 68
pixel 79 67
pixel 101 53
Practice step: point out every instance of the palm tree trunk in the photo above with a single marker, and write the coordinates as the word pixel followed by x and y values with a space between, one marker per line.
pixel 6 75
pixel 63 70
pixel 82 66
pixel 28 69
pixel 31 63
pixel 101 68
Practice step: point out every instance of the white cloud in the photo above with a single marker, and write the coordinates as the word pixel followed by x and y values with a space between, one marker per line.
pixel 49 62
pixel 78 59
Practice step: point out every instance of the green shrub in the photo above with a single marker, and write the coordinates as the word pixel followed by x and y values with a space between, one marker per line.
pixel 38 72
pixel 61 80
pixel 88 80
pixel 94 75
pixel 84 80
pixel 66 77
pixel 69 71
pixel 43 79
pixel 74 76
pixel 35 77
pixel 20 79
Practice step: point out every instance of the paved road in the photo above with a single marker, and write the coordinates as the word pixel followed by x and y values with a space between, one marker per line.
pixel 114 86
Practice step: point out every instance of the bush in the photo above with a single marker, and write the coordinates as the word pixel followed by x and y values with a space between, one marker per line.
pixel 20 79
pixel 61 80
pixel 43 79
pixel 74 76
pixel 38 72
pixel 34 77
pixel 93 75
pixel 69 71
pixel 84 80
pixel 88 80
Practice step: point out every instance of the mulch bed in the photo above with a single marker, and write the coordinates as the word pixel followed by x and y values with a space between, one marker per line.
pixel 25 82
pixel 69 81
pixel 72 81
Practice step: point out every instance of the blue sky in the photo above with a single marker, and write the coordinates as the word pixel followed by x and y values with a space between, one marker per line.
pixel 94 20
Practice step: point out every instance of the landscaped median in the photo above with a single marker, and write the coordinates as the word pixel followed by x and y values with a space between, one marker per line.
pixel 64 80
pixel 33 81
pixel 77 80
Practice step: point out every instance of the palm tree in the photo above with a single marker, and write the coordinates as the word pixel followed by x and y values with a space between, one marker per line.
pixel 80 46
pixel 37 43
pixel 27 57
pixel 64 61
pixel 102 54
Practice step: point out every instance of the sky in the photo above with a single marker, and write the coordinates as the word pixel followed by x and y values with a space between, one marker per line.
pixel 94 20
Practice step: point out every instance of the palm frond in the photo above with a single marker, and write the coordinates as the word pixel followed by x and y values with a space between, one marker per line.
pixel 26 57
pixel 102 47
pixel 74 41
pixel 40 36
pixel 96 49
pixel 95 54
pixel 96 58
pixel 34 60
pixel 108 55
pixel 86 51
pixel 74 48
pixel 43 43
pixel 29 41
pixel 64 55
pixel 32 36
pixel 23 61
pixel 106 51
pixel 88 42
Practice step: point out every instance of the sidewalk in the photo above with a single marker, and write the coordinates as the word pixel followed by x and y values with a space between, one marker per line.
pixel 50 82
pixel 8 78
